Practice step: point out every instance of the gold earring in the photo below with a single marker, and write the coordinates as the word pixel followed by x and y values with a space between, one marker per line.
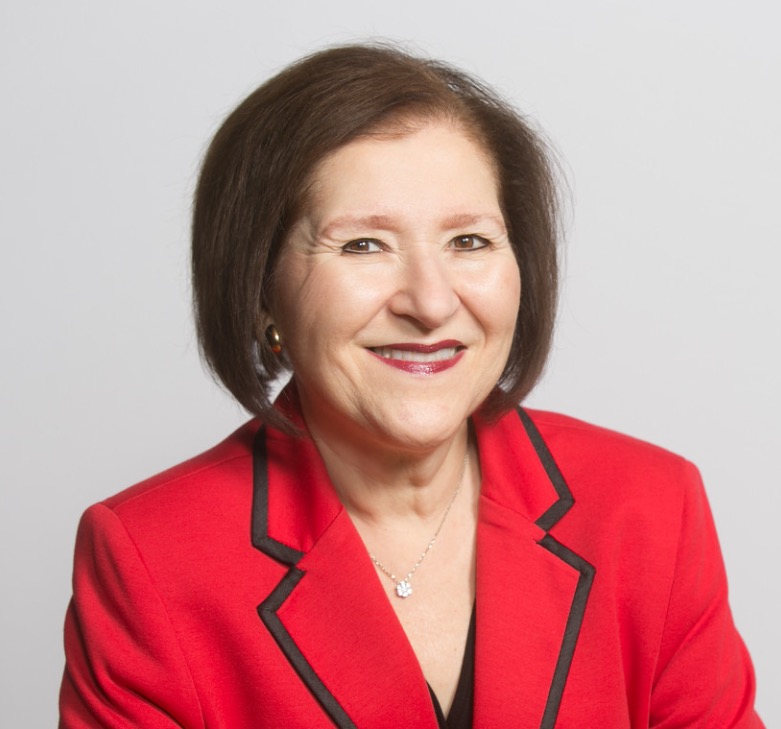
pixel 273 339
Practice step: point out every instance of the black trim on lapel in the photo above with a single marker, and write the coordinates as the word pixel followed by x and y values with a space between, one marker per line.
pixel 260 538
pixel 562 505
pixel 571 632
pixel 267 610
pixel 565 500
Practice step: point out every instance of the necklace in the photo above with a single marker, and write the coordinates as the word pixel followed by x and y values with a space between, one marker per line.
pixel 404 586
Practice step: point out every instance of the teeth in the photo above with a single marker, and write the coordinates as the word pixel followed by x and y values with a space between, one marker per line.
pixel 407 356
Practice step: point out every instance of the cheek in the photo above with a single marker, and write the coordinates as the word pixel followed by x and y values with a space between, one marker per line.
pixel 510 283
pixel 323 306
pixel 500 295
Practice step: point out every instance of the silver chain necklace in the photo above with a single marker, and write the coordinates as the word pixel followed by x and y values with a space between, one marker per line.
pixel 404 586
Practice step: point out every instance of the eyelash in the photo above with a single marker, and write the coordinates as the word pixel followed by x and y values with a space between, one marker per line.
pixel 367 243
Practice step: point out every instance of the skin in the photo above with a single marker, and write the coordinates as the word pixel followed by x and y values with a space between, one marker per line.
pixel 403 242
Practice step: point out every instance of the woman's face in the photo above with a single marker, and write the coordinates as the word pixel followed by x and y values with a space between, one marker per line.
pixel 397 292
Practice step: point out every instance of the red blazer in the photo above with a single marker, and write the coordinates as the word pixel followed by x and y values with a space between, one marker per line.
pixel 233 591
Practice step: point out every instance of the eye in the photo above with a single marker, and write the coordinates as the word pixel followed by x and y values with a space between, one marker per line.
pixel 469 242
pixel 362 245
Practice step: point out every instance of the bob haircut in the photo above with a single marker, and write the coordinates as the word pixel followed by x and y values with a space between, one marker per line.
pixel 257 170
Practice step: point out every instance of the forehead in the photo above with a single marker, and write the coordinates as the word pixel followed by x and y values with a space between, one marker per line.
pixel 437 165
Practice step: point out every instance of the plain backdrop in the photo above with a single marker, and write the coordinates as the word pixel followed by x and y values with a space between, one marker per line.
pixel 666 115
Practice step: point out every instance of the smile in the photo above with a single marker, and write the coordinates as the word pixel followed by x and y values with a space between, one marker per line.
pixel 424 359
pixel 407 355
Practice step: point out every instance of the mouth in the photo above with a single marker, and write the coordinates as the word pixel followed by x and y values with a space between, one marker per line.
pixel 420 358
pixel 407 355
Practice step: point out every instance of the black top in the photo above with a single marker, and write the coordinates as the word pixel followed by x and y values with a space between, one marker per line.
pixel 460 714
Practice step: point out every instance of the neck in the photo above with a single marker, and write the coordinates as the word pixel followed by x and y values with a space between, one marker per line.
pixel 380 485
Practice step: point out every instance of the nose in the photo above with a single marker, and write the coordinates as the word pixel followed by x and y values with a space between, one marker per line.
pixel 426 289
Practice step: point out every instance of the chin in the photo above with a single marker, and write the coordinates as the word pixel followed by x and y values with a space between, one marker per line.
pixel 421 427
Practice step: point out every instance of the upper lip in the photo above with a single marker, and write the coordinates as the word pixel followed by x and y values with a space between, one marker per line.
pixel 423 348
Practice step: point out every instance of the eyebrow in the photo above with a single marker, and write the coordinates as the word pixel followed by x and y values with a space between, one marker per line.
pixel 386 222
pixel 466 220
pixel 370 222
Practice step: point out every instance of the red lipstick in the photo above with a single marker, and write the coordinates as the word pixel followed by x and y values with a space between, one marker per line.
pixel 420 359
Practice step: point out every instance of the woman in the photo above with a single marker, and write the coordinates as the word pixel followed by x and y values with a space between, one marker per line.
pixel 393 541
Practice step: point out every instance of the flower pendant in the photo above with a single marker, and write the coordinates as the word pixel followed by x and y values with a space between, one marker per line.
pixel 403 589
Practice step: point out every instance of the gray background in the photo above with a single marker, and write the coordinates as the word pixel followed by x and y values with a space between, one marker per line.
pixel 666 115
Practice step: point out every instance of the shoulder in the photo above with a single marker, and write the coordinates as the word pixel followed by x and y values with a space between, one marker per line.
pixel 577 445
pixel 582 436
pixel 219 474
pixel 179 528
pixel 630 496
pixel 639 513
pixel 617 478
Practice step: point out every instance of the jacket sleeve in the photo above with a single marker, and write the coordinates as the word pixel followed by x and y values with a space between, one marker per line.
pixel 704 676
pixel 124 666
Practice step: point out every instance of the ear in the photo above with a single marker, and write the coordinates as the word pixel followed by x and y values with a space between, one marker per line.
pixel 268 339
pixel 265 318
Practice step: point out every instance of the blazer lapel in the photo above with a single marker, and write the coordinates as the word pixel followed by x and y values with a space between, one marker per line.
pixel 531 589
pixel 329 613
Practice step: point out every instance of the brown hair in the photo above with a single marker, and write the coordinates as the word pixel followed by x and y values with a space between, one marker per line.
pixel 259 165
